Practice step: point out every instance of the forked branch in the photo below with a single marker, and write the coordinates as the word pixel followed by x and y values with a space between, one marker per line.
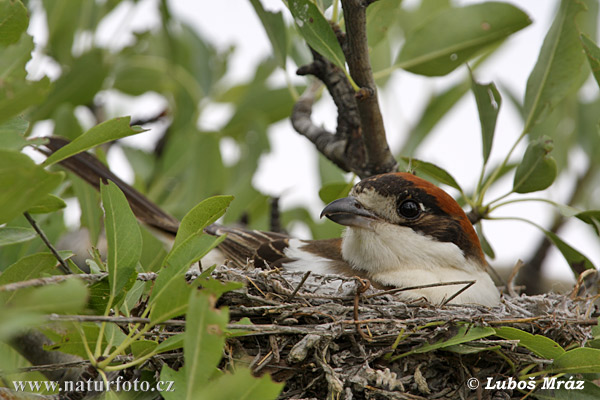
pixel 359 144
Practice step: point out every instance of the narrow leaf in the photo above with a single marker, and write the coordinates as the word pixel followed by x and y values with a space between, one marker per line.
pixel 558 66
pixel 317 32
pixel 465 334
pixel 433 171
pixel 124 239
pixel 538 169
pixel 102 133
pixel 485 244
pixel 592 51
pixel 204 340
pixel 488 102
pixel 577 261
pixel 466 31
pixel 276 30
pixel 591 217
pixel 436 109
pixel 540 345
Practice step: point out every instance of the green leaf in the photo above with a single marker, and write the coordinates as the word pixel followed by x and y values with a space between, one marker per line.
pixel 47 204
pixel 488 104
pixel 241 385
pixel 276 31
pixel 18 96
pixel 592 51
pixel 538 344
pixel 577 261
pixel 12 235
pixel 485 245
pixel 23 183
pixel 538 169
pixel 13 21
pixel 465 334
pixel 559 65
pixel 381 17
pixel 433 171
pixel 107 131
pixel 53 298
pixel 171 343
pixel 204 340
pixel 14 58
pixel 28 267
pixel 466 31
pixel 436 109
pixel 317 32
pixel 171 298
pixel 591 217
pixel 76 86
pixel 582 360
pixel 199 217
pixel 89 203
pixel 123 236
pixel 470 349
pixel 140 348
pixel 335 190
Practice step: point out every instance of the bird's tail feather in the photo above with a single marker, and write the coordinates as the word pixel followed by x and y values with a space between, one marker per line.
pixel 90 169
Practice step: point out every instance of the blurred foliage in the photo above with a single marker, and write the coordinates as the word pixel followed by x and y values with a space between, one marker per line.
pixel 188 72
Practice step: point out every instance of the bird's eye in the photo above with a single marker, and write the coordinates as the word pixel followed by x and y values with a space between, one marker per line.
pixel 409 209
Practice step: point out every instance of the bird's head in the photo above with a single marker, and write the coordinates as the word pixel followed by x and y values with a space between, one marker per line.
pixel 411 219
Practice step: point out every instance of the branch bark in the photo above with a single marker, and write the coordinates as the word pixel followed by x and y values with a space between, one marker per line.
pixel 379 156
pixel 359 144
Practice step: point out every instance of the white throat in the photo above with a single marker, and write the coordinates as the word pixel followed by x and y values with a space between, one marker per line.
pixel 398 256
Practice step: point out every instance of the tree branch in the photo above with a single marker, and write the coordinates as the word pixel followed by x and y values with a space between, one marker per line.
pixel 379 156
pixel 352 147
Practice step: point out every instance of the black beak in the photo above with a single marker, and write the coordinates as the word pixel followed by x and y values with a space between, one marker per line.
pixel 349 212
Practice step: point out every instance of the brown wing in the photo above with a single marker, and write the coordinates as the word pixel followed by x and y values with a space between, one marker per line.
pixel 241 245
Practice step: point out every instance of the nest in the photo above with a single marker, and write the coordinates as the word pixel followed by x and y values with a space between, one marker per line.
pixel 331 337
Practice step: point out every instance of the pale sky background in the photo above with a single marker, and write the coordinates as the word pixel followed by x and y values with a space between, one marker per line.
pixel 455 144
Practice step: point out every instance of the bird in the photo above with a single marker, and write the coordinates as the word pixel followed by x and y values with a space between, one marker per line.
pixel 402 231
